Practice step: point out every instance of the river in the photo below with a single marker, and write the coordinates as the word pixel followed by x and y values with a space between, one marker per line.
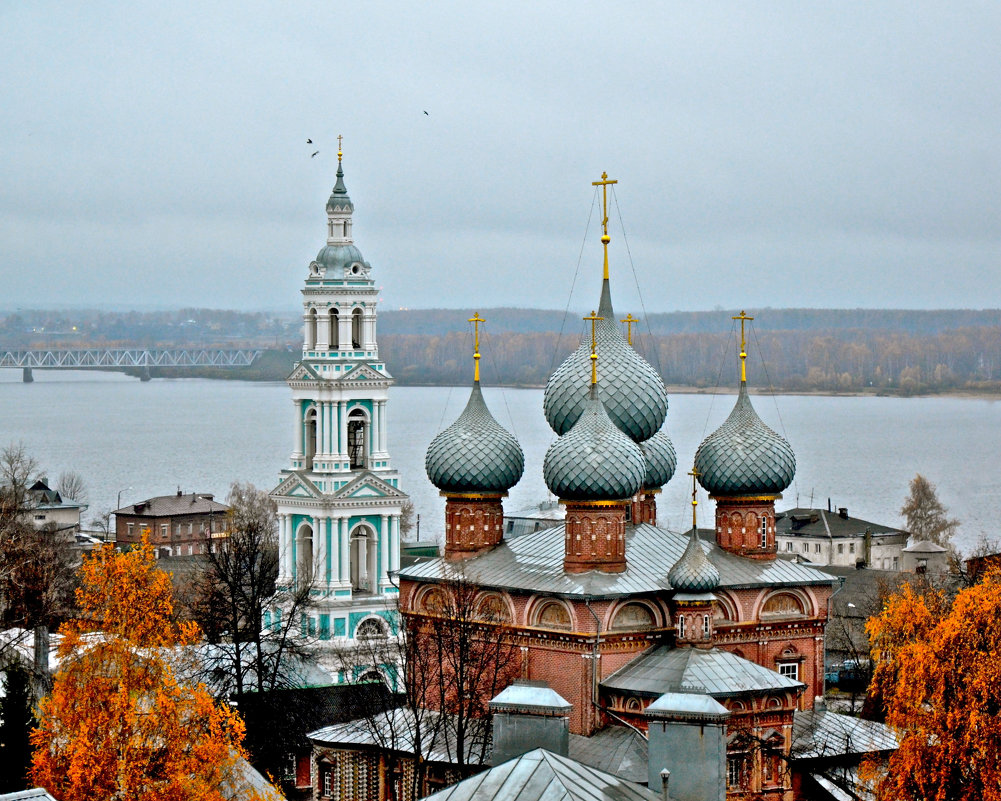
pixel 145 439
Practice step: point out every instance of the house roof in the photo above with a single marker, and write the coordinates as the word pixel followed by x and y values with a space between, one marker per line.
pixel 194 503
pixel 541 775
pixel 534 562
pixel 819 734
pixel 715 672
pixel 803 522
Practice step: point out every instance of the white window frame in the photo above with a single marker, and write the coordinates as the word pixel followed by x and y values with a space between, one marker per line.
pixel 764 531
pixel 789 670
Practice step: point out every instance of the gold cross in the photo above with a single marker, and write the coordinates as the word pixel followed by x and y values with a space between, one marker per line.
pixel 605 238
pixel 629 320
pixel 594 346
pixel 339 153
pixel 743 343
pixel 695 501
pixel 476 320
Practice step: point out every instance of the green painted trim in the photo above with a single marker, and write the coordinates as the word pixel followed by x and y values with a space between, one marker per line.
pixel 339 627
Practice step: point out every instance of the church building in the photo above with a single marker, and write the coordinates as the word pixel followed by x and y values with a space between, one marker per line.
pixel 339 501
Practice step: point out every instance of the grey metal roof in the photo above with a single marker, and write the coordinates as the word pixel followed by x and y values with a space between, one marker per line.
pixel 924 546
pixel 744 456
pixel 631 389
pixel 530 696
pixel 803 522
pixel 196 503
pixel 34 794
pixel 713 672
pixel 688 706
pixel 819 734
pixel 475 453
pixel 693 572
pixel 661 459
pixel 541 775
pixel 614 749
pixel 594 460
pixel 336 257
pixel 534 562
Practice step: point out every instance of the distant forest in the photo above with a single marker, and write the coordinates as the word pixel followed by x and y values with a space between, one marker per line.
pixel 826 350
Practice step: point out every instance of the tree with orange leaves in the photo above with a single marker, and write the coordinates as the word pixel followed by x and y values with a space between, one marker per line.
pixel 121 722
pixel 938 673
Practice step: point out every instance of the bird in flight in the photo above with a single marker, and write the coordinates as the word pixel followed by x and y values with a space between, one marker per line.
pixel 313 154
pixel 426 114
pixel 309 141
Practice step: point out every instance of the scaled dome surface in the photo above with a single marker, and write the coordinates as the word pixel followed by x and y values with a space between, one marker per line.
pixel 693 572
pixel 744 456
pixel 594 460
pixel 661 459
pixel 632 391
pixel 475 453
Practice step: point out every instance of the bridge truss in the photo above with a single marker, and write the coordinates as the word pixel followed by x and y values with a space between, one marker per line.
pixel 110 358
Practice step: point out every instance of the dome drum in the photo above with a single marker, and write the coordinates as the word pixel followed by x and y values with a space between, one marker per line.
pixel 474 522
pixel 745 526
pixel 595 536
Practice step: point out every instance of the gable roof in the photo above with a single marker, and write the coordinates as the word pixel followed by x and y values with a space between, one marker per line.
pixel 534 563
pixel 715 672
pixel 542 775
pixel 803 522
pixel 193 503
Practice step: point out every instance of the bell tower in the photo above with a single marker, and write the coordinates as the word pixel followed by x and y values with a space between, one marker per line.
pixel 339 502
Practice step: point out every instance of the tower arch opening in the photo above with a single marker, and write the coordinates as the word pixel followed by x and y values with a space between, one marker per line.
pixel 311 329
pixel 309 423
pixel 335 334
pixel 357 439
pixel 356 322
pixel 304 553
pixel 364 555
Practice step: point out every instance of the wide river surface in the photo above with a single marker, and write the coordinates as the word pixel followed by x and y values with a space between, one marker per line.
pixel 147 439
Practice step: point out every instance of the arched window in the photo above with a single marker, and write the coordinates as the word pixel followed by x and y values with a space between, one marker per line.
pixel 335 333
pixel 705 627
pixel 372 627
pixel 356 328
pixel 357 436
pixel 310 437
pixel 764 531
pixel 783 604
pixel 304 553
pixel 681 626
pixel 311 329
pixel 493 609
pixel 364 552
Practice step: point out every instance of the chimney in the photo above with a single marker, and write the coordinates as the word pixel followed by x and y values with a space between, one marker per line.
pixel 843 512
pixel 529 715
pixel 687 738
pixel 178 492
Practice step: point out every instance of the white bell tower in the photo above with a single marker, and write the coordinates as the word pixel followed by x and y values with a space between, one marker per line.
pixel 339 502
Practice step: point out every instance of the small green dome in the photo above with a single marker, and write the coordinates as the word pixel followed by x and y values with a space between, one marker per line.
pixel 475 453
pixel 337 258
pixel 632 391
pixel 693 572
pixel 744 456
pixel 594 460
pixel 661 459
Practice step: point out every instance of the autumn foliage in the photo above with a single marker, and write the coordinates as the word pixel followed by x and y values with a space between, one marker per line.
pixel 938 673
pixel 121 723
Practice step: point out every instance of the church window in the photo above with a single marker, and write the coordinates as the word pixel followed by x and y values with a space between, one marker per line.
pixel 633 616
pixel 311 329
pixel 789 670
pixel 335 334
pixel 356 328
pixel 554 615
pixel 705 627
pixel 735 767
pixel 310 437
pixel 681 626
pixel 764 531
pixel 370 628
pixel 356 439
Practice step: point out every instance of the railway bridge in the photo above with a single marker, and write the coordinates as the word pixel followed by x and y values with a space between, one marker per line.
pixel 123 358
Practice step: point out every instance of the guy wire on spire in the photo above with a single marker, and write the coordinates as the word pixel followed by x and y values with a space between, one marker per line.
pixel 476 320
pixel 743 344
pixel 594 346
pixel 604 183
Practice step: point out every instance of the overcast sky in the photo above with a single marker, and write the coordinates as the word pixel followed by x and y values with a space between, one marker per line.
pixel 768 154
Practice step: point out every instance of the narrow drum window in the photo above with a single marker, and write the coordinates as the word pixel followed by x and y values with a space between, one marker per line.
pixel 764 531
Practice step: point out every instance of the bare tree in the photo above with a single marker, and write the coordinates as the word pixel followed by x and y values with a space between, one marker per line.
pixel 235 601
pixel 927 518
pixel 71 485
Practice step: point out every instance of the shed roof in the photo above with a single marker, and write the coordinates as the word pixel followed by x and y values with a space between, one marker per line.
pixel 534 562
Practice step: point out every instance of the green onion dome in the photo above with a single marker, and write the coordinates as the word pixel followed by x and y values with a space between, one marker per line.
pixel 744 456
pixel 632 391
pixel 693 572
pixel 475 453
pixel 661 460
pixel 594 460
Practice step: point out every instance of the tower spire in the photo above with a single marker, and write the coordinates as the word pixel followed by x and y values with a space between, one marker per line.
pixel 604 183
pixel 476 320
pixel 743 344
pixel 594 347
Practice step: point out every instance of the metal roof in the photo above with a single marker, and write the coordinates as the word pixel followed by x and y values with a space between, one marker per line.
pixel 820 734
pixel 534 562
pixel 688 706
pixel 714 672
pixel 541 775
pixel 807 522
pixel 196 503
pixel 530 696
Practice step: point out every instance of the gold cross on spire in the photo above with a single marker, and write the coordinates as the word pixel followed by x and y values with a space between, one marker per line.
pixel 594 346
pixel 476 320
pixel 339 151
pixel 695 501
pixel 605 238
pixel 743 343
pixel 629 320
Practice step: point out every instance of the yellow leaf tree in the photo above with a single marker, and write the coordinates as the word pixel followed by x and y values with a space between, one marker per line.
pixel 121 723
pixel 938 675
